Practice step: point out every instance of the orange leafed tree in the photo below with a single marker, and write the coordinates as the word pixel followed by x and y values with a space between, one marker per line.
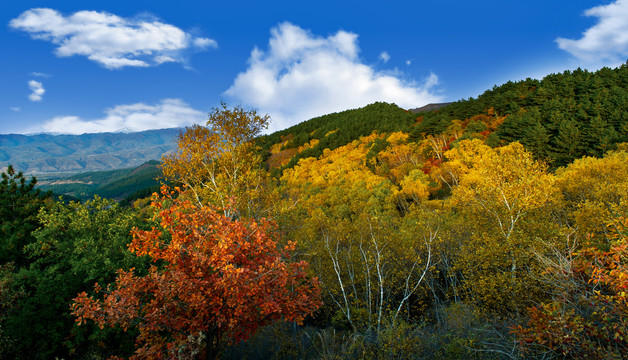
pixel 215 278
pixel 587 320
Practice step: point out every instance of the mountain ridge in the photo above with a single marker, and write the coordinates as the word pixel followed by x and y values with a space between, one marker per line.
pixel 47 153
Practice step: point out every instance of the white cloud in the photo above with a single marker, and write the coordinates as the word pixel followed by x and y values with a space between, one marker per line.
pixel 169 113
pixel 37 90
pixel 110 40
pixel 205 42
pixel 408 62
pixel 40 74
pixel 164 59
pixel 15 108
pixel 384 56
pixel 606 42
pixel 302 76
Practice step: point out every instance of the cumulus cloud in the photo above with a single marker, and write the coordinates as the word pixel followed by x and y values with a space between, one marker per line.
pixel 169 113
pixel 37 90
pixel 607 41
pixel 384 56
pixel 110 40
pixel 302 75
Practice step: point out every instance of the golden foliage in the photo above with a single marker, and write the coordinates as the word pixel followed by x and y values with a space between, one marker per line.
pixel 219 163
pixel 596 191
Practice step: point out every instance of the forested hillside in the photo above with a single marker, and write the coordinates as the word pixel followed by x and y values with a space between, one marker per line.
pixel 310 138
pixel 490 228
pixel 559 118
pixel 114 184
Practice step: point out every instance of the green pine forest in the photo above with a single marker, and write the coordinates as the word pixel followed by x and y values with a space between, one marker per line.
pixel 490 228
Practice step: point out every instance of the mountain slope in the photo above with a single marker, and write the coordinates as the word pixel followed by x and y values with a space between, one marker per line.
pixel 559 119
pixel 308 139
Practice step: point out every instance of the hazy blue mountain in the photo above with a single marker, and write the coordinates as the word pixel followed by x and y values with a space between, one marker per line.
pixel 48 153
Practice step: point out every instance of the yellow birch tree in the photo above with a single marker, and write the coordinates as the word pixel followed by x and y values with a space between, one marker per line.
pixel 218 163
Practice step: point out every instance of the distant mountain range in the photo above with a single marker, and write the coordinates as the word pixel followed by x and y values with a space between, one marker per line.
pixel 55 154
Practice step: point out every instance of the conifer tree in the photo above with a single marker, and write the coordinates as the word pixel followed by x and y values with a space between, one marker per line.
pixel 19 205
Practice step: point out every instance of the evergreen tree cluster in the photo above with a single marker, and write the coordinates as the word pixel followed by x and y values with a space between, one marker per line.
pixel 560 118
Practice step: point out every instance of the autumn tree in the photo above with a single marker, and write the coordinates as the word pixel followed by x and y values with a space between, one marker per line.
pixel 507 198
pixel 586 317
pixel 403 163
pixel 214 278
pixel 596 192
pixel 219 162
pixel 459 161
pixel 371 260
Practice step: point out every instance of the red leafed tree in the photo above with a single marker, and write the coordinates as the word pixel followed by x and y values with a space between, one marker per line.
pixel 216 279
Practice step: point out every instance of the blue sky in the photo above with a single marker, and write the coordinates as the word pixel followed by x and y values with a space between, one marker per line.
pixel 92 66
